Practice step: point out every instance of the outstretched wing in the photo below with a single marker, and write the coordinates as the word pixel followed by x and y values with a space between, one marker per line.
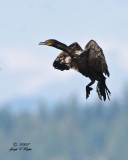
pixel 64 61
pixel 96 58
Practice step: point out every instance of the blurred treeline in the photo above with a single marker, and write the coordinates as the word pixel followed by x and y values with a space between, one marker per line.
pixel 69 131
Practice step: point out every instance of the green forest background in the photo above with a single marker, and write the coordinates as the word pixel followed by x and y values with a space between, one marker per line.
pixel 68 131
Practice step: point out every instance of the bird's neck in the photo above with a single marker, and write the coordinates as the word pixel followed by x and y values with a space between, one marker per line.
pixel 64 48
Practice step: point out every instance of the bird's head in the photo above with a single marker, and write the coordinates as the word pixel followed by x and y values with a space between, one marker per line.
pixel 50 42
pixel 56 44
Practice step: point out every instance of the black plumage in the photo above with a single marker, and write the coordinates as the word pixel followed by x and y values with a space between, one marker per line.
pixel 90 62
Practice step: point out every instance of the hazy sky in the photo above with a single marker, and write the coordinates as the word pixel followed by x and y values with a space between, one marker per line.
pixel 26 67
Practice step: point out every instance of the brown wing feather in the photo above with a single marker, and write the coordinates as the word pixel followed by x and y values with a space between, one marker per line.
pixel 64 61
pixel 96 58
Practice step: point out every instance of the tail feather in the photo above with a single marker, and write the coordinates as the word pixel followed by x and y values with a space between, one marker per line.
pixel 103 90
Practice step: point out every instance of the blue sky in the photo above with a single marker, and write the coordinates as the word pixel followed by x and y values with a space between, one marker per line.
pixel 26 67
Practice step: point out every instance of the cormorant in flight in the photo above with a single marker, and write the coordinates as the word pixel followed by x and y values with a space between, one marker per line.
pixel 90 62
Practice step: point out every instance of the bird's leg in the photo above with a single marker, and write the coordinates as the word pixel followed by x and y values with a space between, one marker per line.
pixel 88 88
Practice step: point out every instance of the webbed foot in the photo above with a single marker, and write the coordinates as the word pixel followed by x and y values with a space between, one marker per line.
pixel 99 94
pixel 88 89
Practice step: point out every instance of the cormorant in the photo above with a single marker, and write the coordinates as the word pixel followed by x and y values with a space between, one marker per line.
pixel 90 62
